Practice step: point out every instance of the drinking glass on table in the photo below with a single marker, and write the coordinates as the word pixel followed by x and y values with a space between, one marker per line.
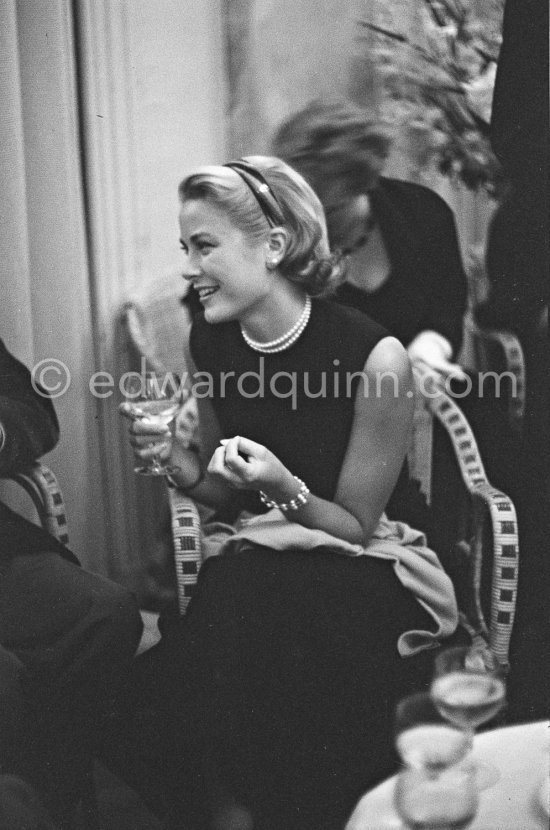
pixel 156 397
pixel 468 689
pixel 436 788
pixel 424 739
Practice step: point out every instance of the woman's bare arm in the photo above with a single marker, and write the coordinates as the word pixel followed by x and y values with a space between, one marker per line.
pixel 380 435
pixel 194 462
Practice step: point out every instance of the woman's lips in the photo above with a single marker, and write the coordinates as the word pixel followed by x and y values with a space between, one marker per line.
pixel 206 292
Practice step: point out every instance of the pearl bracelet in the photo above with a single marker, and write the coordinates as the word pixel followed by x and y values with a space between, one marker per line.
pixel 299 500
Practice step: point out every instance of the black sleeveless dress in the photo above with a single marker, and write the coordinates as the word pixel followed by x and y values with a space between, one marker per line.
pixel 285 671
pixel 298 402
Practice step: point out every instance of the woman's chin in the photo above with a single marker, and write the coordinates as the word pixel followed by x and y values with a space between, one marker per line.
pixel 215 313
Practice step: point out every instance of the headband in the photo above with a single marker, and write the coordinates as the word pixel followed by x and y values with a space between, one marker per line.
pixel 262 192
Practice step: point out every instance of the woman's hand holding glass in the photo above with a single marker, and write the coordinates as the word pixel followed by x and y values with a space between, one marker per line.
pixel 151 440
pixel 153 403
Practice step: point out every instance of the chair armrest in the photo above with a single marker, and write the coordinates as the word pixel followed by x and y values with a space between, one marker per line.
pixel 186 536
pixel 488 503
pixel 45 492
pixel 495 506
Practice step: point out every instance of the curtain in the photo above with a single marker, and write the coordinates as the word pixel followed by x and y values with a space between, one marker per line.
pixel 45 310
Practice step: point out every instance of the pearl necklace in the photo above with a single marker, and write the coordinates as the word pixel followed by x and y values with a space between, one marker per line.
pixel 285 340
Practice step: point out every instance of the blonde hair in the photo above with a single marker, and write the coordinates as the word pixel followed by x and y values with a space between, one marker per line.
pixel 307 260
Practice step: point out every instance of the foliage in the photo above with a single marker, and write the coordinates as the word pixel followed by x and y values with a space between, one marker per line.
pixel 437 86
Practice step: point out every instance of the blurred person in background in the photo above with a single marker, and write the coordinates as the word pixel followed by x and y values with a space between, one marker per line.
pixel 404 267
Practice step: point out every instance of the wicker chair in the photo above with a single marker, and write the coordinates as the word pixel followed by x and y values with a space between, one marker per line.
pixel 489 547
pixel 43 488
pixel 491 536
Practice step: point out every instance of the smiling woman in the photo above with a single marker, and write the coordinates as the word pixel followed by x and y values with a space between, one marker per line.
pixel 222 264
pixel 287 664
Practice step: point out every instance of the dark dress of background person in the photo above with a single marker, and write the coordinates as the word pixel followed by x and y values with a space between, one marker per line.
pixel 66 636
pixel 285 666
pixel 518 267
pixel 426 288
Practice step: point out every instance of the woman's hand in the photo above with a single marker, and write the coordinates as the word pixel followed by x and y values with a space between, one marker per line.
pixel 246 465
pixel 152 440
pixel 149 439
pixel 434 351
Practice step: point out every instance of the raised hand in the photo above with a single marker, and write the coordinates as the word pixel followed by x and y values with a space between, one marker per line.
pixel 246 465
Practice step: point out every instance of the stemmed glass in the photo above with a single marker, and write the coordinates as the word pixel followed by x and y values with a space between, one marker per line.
pixel 468 689
pixel 435 790
pixel 157 397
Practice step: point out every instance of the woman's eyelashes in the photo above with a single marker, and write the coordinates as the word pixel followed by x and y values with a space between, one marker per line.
pixel 200 245
pixel 203 246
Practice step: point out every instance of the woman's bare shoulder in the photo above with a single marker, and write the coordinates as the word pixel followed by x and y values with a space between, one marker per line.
pixel 389 355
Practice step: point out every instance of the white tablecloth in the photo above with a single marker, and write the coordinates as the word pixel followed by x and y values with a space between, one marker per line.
pixel 522 755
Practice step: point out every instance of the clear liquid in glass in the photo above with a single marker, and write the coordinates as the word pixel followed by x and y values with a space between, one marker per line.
pixel 158 412
pixel 468 699
pixel 161 413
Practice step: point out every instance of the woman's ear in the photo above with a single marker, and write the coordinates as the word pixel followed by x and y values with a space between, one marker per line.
pixel 276 247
